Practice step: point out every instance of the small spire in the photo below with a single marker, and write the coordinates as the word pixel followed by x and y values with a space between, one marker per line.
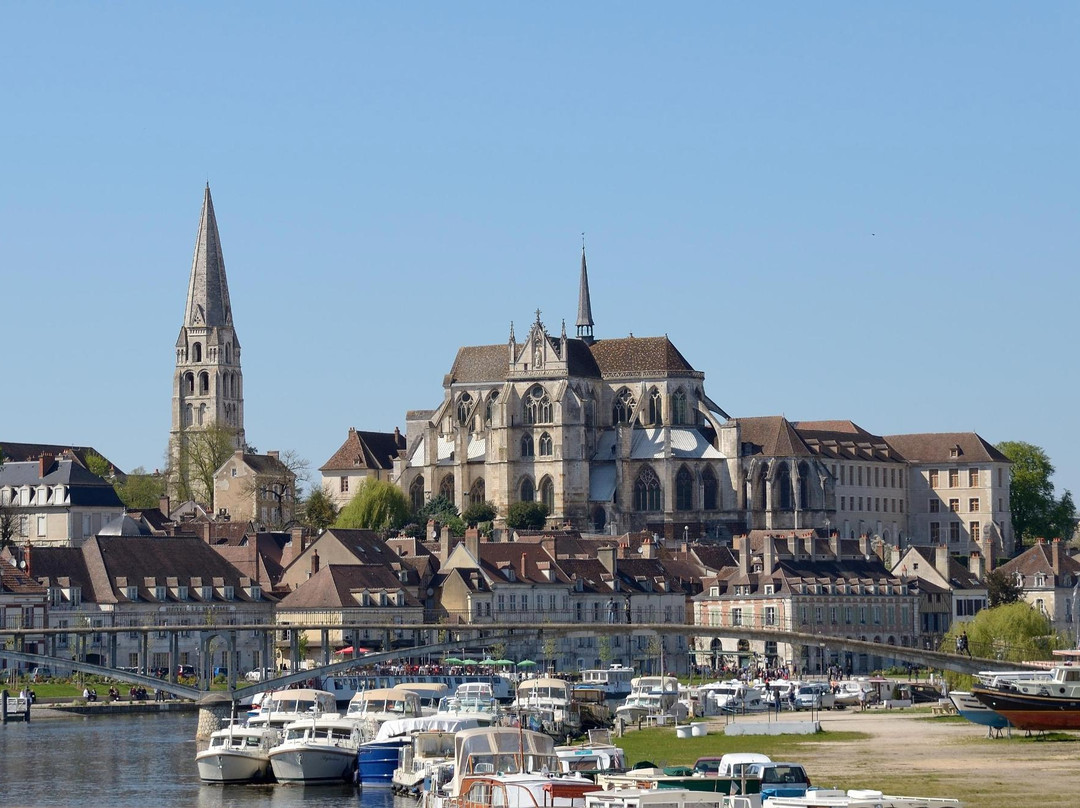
pixel 512 331
pixel 564 329
pixel 584 310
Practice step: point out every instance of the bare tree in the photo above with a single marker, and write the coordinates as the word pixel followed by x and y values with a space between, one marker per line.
pixel 201 453
pixel 280 485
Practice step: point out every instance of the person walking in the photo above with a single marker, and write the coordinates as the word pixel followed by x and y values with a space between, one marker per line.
pixel 626 609
pixel 611 610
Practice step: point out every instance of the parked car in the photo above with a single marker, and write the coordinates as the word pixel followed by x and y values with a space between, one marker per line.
pixel 187 671
pixel 259 675
pixel 780 779
pixel 815 696
pixel 729 765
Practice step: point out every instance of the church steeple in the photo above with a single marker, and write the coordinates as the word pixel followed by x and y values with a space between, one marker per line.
pixel 208 289
pixel 208 386
pixel 584 306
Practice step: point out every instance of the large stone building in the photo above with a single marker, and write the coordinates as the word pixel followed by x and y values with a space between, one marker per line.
pixel 208 386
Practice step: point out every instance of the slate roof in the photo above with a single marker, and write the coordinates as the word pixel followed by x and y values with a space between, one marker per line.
pixel 332 587
pixel 26 452
pixel 937 447
pixel 208 288
pixel 84 487
pixel 366 450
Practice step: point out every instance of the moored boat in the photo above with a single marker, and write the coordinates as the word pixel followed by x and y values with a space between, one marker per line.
pixel 281 707
pixel 1036 702
pixel 237 754
pixel 317 750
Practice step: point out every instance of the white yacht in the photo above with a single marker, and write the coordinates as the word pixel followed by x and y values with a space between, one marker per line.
pixel 548 705
pixel 317 750
pixel 650 698
pixel 370 709
pixel 237 754
pixel 281 707
pixel 613 681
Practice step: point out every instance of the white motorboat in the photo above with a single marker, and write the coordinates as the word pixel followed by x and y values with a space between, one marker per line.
pixel 734 696
pixel 652 698
pixel 614 681
pixel 484 711
pixel 281 707
pixel 837 798
pixel 237 754
pixel 548 705
pixel 314 750
pixel 429 693
pixel 429 745
pixel 370 709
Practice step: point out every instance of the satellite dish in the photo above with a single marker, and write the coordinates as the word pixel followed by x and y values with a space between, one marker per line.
pixel 14 563
pixel 22 564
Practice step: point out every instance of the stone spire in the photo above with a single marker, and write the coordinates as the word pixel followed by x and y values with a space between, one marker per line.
pixel 584 306
pixel 208 289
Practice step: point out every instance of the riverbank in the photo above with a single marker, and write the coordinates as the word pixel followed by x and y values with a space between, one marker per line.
pixel 67 709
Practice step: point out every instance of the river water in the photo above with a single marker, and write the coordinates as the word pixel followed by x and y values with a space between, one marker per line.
pixel 138 761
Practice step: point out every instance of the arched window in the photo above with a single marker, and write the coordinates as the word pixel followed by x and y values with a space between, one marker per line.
pixel 527 446
pixel 416 493
pixel 477 493
pixel 528 492
pixel 783 488
pixel 490 406
pixel 545 445
pixel 547 494
pixel 189 382
pixel 684 490
pixel 647 493
pixel 463 409
pixel 202 414
pixel 709 490
pixel 196 352
pixel 678 408
pixel 804 486
pixel 446 487
pixel 623 408
pixel 656 407
pixel 760 488
pixel 189 415
pixel 536 408
pixel 228 353
pixel 204 383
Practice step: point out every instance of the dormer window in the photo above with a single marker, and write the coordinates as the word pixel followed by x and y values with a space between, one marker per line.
pixel 181 593
pixel 160 592
pixel 132 593
pixel 714 591
pixel 769 589
pixel 256 593
pixel 227 592
pixel 510 574
pixel 1040 579
pixel 76 595
pixel 207 593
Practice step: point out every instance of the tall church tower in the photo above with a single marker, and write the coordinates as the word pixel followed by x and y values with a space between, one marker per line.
pixel 208 386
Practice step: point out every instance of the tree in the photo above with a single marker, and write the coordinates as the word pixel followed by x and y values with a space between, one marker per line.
pixel 1001 589
pixel 280 483
pixel 526 516
pixel 1016 632
pixel 443 511
pixel 96 464
pixel 201 453
pixel 140 489
pixel 1036 512
pixel 377 505
pixel 479 512
pixel 9 526
pixel 318 511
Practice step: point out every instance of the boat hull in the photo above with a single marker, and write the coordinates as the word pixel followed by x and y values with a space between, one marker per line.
pixel 376 763
pixel 232 767
pixel 313 764
pixel 1030 712
pixel 976 712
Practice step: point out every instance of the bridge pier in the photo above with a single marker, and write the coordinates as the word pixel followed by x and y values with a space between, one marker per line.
pixel 214 712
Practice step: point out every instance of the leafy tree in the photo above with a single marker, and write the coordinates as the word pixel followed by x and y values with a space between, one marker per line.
pixel 98 465
pixel 1001 589
pixel 318 511
pixel 1036 512
pixel 140 489
pixel 1016 632
pixel 480 512
pixel 526 515
pixel 377 505
pixel 202 451
pixel 443 511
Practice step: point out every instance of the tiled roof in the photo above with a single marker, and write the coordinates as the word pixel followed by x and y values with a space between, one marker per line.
pixel 366 450
pixel 593 575
pixel 616 357
pixel 1040 558
pixel 495 556
pixel 18 582
pixel 333 585
pixel 772 436
pixel 481 363
pixel 940 447
pixel 265 464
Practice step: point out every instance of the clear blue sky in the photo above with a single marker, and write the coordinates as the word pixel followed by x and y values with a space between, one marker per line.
pixel 835 210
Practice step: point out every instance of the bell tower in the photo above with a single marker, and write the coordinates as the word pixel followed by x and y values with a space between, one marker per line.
pixel 208 386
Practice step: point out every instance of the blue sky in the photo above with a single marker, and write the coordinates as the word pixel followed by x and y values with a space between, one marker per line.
pixel 835 210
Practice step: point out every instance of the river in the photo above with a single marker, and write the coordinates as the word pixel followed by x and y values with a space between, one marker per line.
pixel 137 761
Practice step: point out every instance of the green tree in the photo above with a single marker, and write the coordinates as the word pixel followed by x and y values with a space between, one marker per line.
pixel 318 511
pixel 1001 589
pixel 443 511
pixel 479 512
pixel 526 516
pixel 202 451
pixel 140 489
pixel 96 464
pixel 604 650
pixel 1036 511
pixel 1016 632
pixel 377 505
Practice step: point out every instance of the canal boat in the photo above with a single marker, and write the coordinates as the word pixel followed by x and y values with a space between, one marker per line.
pixel 652 698
pixel 1038 703
pixel 237 754
pixel 281 707
pixel 346 685
pixel 317 750
pixel 613 681
pixel 547 705
pixel 429 748
pixel 370 709
pixel 378 758
pixel 837 798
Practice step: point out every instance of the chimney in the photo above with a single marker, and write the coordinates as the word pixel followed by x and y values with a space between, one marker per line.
pixel 1055 556
pixel 45 463
pixel 742 547
pixel 941 561
pixel 648 548
pixel 522 574
pixel 768 555
pixel 834 544
pixel 273 453
pixel 163 505
pixel 314 561
pixel 472 541
pixel 864 545
pixel 975 565
pixel 606 556
pixel 397 436
pixel 986 544
pixel 809 540
pixel 296 536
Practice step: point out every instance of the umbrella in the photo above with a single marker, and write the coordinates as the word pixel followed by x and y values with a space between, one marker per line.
pixel 452 660
pixel 469 662
pixel 526 663
pixel 504 662
pixel 348 649
pixel 488 661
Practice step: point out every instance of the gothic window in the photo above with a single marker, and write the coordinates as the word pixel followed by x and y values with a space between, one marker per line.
pixel 196 352
pixel 783 488
pixel 527 446
pixel 202 413
pixel 490 406
pixel 477 493
pixel 709 490
pixel 416 493
pixel 528 492
pixel 547 494
pixel 647 493
pixel 678 408
pixel 463 409
pixel 545 445
pixel 537 408
pixel 189 383
pixel 656 407
pixel 189 415
pixel 684 490
pixel 760 494
pixel 204 383
pixel 228 354
pixel 804 486
pixel 446 487
pixel 624 407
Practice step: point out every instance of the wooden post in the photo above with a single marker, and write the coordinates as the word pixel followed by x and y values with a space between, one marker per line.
pixel 3 706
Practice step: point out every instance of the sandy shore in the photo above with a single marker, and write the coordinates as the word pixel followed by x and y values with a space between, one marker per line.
pixel 943 758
